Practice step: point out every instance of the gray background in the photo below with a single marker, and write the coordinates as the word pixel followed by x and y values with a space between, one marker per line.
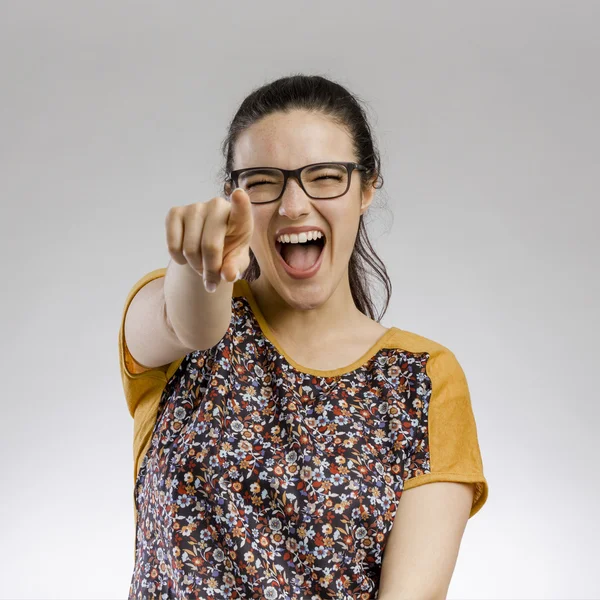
pixel 487 118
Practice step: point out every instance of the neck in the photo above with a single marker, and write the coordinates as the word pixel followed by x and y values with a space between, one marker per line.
pixel 299 321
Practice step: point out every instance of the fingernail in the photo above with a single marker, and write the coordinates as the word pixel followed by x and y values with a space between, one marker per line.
pixel 210 286
pixel 238 276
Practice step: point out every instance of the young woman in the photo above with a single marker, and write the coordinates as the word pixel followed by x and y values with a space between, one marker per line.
pixel 282 435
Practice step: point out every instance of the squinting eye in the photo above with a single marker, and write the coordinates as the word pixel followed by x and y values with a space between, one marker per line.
pixel 328 177
pixel 249 185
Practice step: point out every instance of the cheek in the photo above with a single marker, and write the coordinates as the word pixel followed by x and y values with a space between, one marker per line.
pixel 259 242
pixel 343 223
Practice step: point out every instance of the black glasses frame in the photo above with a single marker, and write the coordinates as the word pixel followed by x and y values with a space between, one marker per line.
pixel 297 175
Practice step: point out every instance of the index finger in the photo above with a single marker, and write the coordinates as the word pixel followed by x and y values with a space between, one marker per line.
pixel 240 215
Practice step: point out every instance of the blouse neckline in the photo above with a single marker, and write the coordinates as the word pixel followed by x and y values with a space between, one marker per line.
pixel 246 291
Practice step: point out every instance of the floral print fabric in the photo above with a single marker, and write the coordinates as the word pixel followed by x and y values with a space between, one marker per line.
pixel 262 481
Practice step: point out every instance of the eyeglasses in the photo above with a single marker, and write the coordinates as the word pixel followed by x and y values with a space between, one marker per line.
pixel 320 181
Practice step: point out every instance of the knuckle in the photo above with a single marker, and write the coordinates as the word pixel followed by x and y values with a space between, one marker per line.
pixel 219 203
pixel 189 209
pixel 211 249
pixel 192 256
pixel 173 213
pixel 191 249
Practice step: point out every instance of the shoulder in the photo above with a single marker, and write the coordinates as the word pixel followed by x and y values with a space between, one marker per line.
pixel 143 280
pixel 439 361
pixel 418 344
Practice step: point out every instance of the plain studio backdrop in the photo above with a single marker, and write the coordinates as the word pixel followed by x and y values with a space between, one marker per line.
pixel 486 116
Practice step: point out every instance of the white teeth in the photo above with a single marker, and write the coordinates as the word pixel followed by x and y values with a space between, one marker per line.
pixel 299 238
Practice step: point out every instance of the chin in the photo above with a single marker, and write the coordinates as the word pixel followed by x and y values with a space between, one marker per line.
pixel 304 295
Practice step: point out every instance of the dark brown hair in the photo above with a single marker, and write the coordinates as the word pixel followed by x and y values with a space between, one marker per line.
pixel 315 93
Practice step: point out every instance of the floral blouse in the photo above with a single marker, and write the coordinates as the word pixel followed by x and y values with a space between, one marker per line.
pixel 256 477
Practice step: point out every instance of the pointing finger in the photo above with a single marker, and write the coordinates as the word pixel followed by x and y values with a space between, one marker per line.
pixel 240 216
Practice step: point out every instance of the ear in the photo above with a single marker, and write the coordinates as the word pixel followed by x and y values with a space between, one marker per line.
pixel 228 188
pixel 367 197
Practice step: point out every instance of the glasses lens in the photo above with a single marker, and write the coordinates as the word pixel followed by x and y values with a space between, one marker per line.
pixel 261 185
pixel 325 180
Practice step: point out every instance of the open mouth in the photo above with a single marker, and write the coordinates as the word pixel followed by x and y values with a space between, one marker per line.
pixel 302 256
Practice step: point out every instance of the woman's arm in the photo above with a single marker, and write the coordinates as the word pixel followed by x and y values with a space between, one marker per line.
pixel 421 553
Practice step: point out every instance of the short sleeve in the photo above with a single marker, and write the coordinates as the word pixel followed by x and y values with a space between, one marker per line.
pixel 129 366
pixel 142 386
pixel 446 446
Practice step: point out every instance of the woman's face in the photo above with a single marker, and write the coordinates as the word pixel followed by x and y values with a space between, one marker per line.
pixel 290 141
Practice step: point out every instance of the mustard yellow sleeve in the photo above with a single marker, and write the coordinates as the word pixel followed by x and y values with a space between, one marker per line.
pixel 446 446
pixel 142 386
pixel 130 368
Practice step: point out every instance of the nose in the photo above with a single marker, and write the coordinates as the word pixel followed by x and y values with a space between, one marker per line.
pixel 294 203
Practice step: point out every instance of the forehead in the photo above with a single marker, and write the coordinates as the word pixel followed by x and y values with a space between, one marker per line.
pixel 291 140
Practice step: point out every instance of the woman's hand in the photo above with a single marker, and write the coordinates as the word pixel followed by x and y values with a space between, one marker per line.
pixel 213 237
